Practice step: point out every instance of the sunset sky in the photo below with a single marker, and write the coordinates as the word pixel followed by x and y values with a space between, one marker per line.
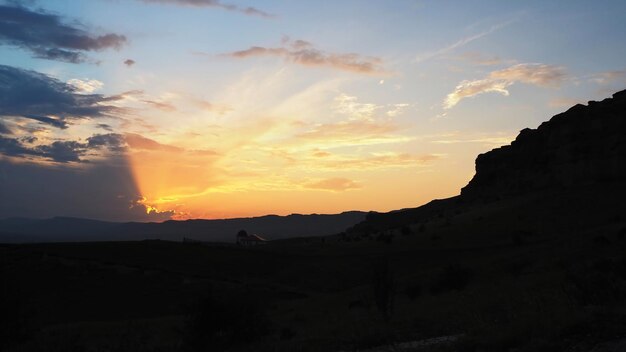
pixel 146 110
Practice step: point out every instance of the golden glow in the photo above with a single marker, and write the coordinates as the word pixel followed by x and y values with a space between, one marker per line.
pixel 317 151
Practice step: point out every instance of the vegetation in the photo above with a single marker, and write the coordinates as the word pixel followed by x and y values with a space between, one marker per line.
pixel 473 289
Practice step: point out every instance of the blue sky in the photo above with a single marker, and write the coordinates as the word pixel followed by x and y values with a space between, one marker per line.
pixel 320 106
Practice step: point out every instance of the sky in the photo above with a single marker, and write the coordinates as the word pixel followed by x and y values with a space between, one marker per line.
pixel 149 110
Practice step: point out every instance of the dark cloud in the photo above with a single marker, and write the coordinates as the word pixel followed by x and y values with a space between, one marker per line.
pixel 97 191
pixel 129 62
pixel 252 11
pixel 105 127
pixel 13 147
pixel 47 37
pixel 303 53
pixel 4 129
pixel 28 139
pixel 112 141
pixel 62 151
pixel 38 97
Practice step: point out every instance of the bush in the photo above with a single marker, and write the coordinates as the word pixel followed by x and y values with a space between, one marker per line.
pixel 384 288
pixel 12 322
pixel 218 323
pixel 452 277
pixel 287 334
pixel 413 291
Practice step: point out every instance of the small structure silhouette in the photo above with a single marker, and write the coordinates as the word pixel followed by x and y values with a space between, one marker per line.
pixel 244 239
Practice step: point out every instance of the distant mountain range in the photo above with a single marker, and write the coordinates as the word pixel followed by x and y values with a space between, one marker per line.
pixel 63 229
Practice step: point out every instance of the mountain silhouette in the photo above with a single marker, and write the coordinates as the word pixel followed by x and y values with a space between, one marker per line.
pixel 572 167
pixel 64 229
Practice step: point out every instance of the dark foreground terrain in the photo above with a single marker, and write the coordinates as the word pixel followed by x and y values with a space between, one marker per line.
pixel 530 257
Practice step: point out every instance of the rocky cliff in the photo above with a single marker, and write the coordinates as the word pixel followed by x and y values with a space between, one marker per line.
pixel 582 146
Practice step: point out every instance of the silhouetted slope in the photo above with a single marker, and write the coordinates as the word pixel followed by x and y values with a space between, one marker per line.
pixel 576 163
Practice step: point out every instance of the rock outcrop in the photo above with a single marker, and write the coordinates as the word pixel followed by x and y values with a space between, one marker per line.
pixel 582 146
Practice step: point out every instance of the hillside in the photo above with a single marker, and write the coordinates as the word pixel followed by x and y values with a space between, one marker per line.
pixel 572 165
pixel 60 229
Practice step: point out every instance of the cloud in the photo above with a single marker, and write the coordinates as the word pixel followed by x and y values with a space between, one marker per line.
pixel 47 37
pixel 35 96
pixel 563 102
pixel 113 141
pixel 219 109
pixel 608 77
pixel 61 151
pixel 537 74
pixel 496 140
pixel 104 191
pixel 498 81
pixel 350 133
pixel 97 145
pixel 467 89
pixel 139 142
pixel 129 62
pixel 477 58
pixel 105 127
pixel 303 53
pixel 163 106
pixel 381 160
pixel 4 129
pixel 252 11
pixel 336 184
pixel 460 43
pixel 85 86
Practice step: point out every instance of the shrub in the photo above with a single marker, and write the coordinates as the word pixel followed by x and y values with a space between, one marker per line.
pixel 622 233
pixel 217 323
pixel 413 291
pixel 384 288
pixel 12 322
pixel 287 334
pixel 452 277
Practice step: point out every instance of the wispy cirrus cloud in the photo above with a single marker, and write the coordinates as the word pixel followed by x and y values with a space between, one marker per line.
pixel 480 59
pixel 460 43
pixel 252 11
pixel 498 81
pixel 336 184
pixel 46 35
pixel 607 77
pixel 304 53
pixel 374 161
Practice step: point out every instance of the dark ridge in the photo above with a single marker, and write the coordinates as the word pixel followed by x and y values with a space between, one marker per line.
pixel 582 146
pixel 581 149
pixel 65 229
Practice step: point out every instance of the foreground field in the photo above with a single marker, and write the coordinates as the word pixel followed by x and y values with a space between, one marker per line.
pixel 505 275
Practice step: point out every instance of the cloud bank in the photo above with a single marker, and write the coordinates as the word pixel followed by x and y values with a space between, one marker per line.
pixel 47 37
pixel 61 151
pixel 36 96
